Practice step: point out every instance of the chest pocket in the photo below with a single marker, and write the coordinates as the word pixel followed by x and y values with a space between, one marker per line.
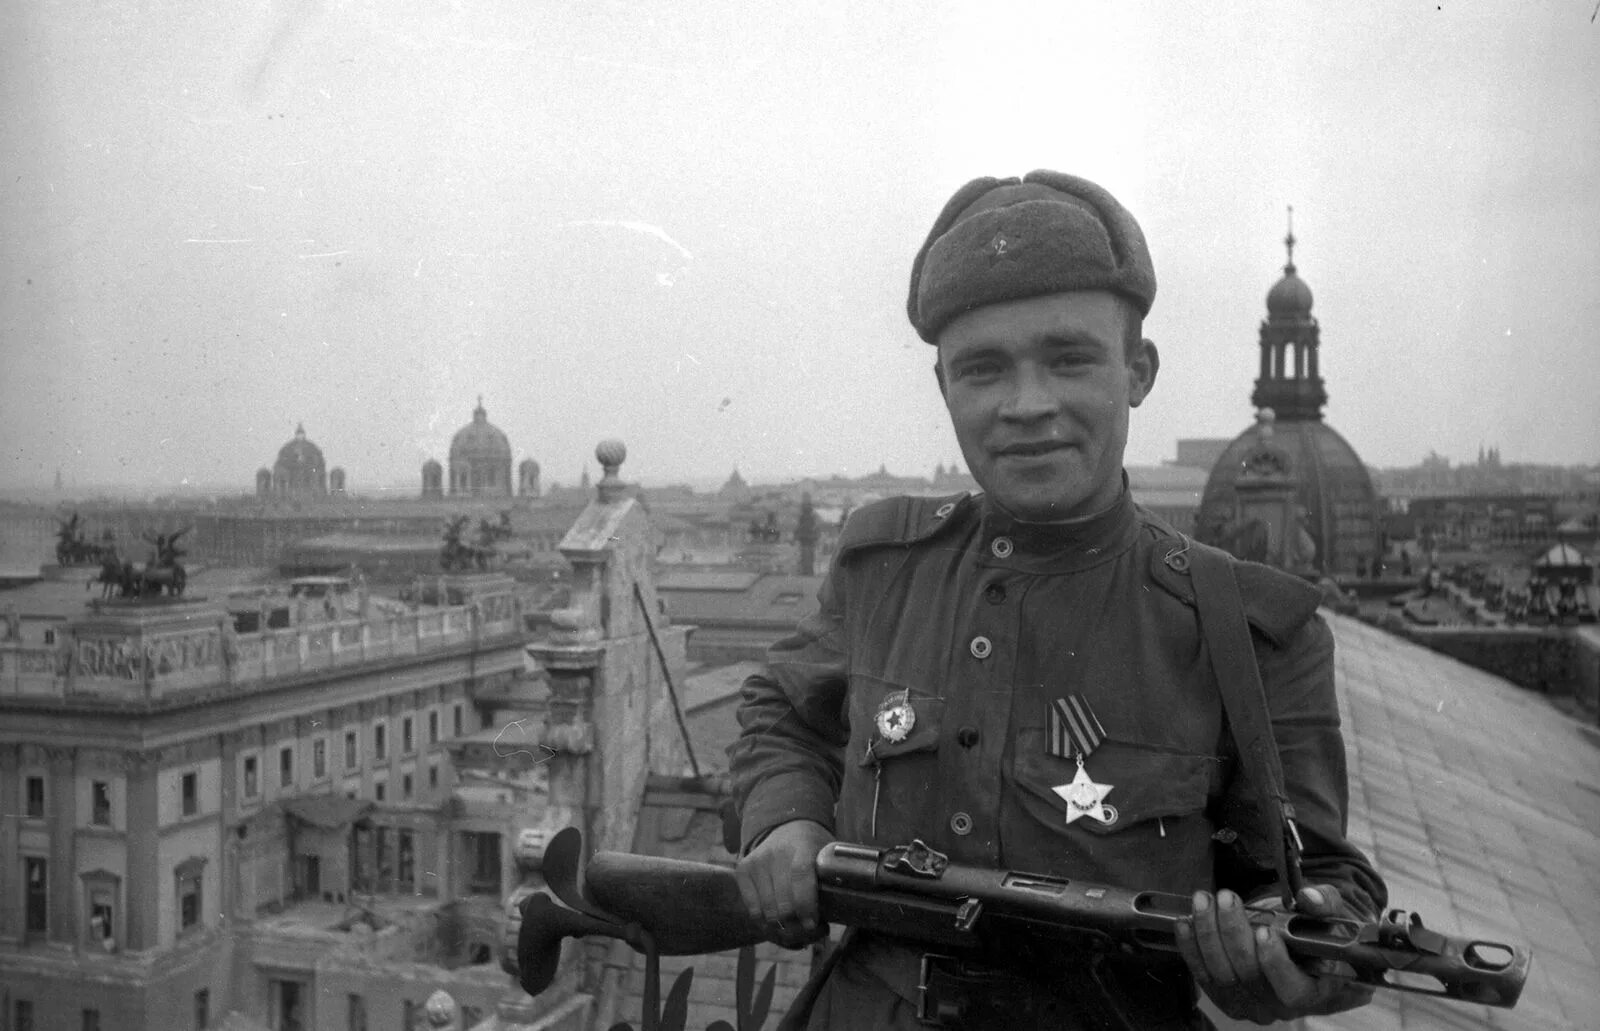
pixel 887 784
pixel 924 714
pixel 1146 784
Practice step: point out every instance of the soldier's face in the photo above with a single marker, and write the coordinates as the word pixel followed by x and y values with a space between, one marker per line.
pixel 1039 392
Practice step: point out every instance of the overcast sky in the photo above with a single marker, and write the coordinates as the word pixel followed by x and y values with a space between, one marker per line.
pixel 690 225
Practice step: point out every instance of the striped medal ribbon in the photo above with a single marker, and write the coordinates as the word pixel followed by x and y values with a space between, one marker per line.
pixel 1075 731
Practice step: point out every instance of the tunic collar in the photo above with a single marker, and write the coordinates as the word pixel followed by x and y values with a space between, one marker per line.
pixel 1009 543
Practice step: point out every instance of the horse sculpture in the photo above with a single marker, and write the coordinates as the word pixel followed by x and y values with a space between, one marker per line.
pixel 125 579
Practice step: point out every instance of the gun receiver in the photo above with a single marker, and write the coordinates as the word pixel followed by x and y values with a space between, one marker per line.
pixel 673 907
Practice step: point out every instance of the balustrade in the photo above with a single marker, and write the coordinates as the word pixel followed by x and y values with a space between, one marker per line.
pixel 131 667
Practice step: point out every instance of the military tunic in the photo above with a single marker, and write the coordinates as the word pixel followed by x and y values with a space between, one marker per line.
pixel 982 623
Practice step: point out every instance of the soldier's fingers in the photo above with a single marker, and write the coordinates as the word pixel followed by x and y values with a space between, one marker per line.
pixel 744 877
pixel 1208 942
pixel 803 889
pixel 782 891
pixel 1236 935
pixel 1294 989
pixel 1320 900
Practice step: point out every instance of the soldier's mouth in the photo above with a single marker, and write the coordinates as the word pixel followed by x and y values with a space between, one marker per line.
pixel 1031 449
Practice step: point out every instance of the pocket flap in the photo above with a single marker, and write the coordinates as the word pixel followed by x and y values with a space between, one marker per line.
pixel 1144 783
pixel 926 717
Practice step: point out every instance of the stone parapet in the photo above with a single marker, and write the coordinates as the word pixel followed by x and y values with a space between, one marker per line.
pixel 152 653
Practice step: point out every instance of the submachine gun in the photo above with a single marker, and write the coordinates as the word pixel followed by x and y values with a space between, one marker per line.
pixel 672 907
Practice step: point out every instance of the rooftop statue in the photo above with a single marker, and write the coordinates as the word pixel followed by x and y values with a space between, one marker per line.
pixel 73 547
pixel 458 555
pixel 164 573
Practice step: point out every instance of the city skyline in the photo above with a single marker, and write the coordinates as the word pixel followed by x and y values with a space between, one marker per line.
pixel 691 230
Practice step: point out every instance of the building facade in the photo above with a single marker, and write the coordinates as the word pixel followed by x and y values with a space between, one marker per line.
pixel 171 786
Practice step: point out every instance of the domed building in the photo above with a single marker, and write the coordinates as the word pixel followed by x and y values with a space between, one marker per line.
pixel 1290 490
pixel 299 472
pixel 480 459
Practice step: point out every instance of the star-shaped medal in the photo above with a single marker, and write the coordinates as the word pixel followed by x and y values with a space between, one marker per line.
pixel 1086 798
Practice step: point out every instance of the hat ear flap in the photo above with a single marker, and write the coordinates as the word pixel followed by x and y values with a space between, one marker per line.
pixel 947 218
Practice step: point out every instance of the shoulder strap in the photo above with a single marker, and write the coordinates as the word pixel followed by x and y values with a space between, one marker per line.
pixel 1244 700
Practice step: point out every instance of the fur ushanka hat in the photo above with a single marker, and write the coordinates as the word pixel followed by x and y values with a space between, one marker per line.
pixel 1006 239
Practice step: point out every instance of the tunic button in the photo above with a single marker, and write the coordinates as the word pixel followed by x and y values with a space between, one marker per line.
pixel 1001 546
pixel 961 823
pixel 981 647
pixel 1178 562
pixel 966 737
pixel 945 509
pixel 994 594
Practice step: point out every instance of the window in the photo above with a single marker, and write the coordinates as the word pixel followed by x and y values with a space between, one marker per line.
pixel 202 1009
pixel 91 1020
pixel 190 904
pixel 380 742
pixel 405 848
pixel 35 798
pixel 352 750
pixel 24 1015
pixel 378 790
pixel 100 803
pixel 36 889
pixel 319 758
pixel 102 917
pixel 405 786
pixel 433 778
pixel 483 862
pixel 49 637
pixel 285 767
pixel 408 743
pixel 252 786
pixel 355 1013
pixel 433 728
pixel 191 793
pixel 455 718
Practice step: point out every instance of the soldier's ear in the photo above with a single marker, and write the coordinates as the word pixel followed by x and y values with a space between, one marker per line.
pixel 1144 361
pixel 938 374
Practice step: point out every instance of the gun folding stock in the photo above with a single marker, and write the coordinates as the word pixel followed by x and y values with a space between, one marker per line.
pixel 671 907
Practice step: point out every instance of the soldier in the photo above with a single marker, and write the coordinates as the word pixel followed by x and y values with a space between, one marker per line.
pixel 1017 678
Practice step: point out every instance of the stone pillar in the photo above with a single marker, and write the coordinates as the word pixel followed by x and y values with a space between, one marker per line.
pixel 607 704
pixel 142 885
pixel 63 796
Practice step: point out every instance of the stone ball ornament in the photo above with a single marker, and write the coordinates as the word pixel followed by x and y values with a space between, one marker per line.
pixel 441 1009
pixel 611 453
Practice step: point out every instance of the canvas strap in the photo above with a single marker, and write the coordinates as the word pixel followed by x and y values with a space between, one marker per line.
pixel 1244 701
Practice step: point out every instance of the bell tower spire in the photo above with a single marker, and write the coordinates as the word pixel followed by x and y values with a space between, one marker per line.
pixel 1288 243
pixel 1290 383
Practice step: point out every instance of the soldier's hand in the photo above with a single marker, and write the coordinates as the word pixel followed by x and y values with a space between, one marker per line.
pixel 1247 971
pixel 778 881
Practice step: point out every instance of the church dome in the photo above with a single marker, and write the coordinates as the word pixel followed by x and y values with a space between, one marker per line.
pixel 300 453
pixel 1289 296
pixel 1332 486
pixel 480 458
pixel 480 439
pixel 300 470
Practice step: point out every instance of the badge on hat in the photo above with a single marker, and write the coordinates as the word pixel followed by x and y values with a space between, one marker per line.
pixel 896 717
pixel 1075 732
